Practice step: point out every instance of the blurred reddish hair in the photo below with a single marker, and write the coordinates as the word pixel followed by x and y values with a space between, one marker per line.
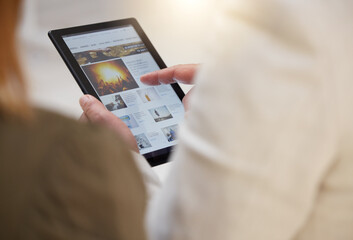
pixel 13 98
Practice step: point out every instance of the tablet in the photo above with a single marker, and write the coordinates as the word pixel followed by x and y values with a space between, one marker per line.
pixel 107 60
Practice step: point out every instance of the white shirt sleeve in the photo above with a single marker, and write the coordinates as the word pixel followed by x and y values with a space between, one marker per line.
pixel 257 141
pixel 150 178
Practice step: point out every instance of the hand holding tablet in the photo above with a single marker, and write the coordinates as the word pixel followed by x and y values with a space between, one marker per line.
pixel 107 61
pixel 95 112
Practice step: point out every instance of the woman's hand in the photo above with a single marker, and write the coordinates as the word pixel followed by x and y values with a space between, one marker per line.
pixel 180 73
pixel 94 111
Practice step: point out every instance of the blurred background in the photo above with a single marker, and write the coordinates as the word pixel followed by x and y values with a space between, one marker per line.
pixel 177 29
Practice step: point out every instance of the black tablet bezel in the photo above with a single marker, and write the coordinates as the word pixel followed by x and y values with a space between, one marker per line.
pixel 154 158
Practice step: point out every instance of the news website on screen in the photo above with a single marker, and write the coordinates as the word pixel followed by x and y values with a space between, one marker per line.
pixel 113 61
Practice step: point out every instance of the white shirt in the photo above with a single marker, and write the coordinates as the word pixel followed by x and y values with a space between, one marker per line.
pixel 266 151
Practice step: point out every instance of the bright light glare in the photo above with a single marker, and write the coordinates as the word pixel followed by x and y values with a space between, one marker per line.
pixel 110 74
pixel 191 4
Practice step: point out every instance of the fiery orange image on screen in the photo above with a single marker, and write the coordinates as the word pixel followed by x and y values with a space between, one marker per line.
pixel 110 77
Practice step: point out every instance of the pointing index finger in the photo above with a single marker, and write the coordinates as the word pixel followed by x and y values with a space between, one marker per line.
pixel 179 73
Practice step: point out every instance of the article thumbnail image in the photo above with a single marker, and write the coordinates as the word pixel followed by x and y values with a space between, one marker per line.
pixel 110 77
pixel 148 94
pixel 142 141
pixel 160 114
pixel 170 132
pixel 130 121
pixel 116 103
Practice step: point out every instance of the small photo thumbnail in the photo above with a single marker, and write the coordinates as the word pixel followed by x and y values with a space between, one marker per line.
pixel 160 114
pixel 116 103
pixel 142 141
pixel 170 132
pixel 110 77
pixel 148 94
pixel 129 120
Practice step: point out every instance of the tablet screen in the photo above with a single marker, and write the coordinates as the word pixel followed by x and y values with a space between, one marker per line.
pixel 113 61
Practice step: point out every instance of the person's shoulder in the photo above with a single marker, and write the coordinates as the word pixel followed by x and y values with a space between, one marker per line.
pixel 75 167
pixel 64 127
pixel 64 132
pixel 58 124
pixel 68 147
pixel 88 144
pixel 56 143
